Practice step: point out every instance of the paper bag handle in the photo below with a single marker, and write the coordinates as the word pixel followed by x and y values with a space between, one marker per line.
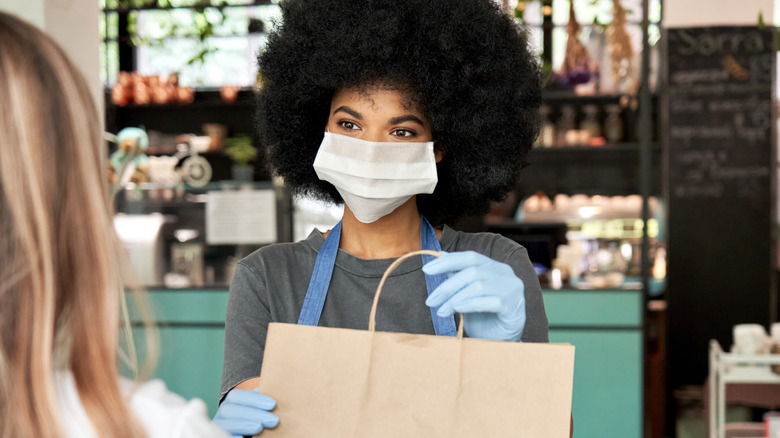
pixel 391 268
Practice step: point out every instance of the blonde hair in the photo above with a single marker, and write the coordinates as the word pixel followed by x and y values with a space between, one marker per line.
pixel 60 284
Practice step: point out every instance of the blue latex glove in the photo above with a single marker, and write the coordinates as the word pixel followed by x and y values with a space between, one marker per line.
pixel 488 294
pixel 246 413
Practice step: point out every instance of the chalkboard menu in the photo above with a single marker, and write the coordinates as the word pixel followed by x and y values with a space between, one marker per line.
pixel 720 165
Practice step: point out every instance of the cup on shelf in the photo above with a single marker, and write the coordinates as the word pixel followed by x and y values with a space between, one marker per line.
pixel 200 143
pixel 775 332
pixel 185 94
pixel 775 344
pixel 217 132
pixel 750 339
pixel 229 93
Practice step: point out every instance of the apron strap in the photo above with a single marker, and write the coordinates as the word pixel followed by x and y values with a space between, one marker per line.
pixel 428 240
pixel 320 279
pixel 314 301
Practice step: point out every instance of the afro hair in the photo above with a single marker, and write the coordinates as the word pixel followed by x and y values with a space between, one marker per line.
pixel 466 64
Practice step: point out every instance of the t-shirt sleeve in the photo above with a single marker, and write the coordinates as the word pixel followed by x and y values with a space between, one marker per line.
pixel 536 326
pixel 246 326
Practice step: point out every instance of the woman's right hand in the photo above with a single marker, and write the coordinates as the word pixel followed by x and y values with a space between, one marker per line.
pixel 246 413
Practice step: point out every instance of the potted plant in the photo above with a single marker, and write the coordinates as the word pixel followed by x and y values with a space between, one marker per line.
pixel 241 151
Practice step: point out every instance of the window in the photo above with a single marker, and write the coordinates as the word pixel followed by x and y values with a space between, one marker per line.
pixel 593 17
pixel 207 44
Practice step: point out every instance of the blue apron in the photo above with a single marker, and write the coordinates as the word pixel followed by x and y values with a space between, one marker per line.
pixel 326 261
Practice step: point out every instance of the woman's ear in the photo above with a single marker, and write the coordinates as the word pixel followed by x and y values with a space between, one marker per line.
pixel 439 152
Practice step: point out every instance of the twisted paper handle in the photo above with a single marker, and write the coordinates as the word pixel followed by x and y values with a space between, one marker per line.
pixel 391 268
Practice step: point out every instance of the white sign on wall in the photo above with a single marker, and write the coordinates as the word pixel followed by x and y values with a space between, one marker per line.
pixel 241 217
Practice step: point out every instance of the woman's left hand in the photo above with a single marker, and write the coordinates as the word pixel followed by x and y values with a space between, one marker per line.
pixel 488 294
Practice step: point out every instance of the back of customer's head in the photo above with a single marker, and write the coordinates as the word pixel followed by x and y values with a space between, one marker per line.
pixel 59 283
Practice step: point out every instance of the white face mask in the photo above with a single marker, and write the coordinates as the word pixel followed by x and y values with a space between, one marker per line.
pixel 375 178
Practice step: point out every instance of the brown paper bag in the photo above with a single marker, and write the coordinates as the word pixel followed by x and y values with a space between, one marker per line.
pixel 344 383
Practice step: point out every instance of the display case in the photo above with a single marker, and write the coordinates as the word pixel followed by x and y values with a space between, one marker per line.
pixel 191 237
pixel 166 210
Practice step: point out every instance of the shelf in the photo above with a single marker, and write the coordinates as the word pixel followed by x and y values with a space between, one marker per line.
pixel 125 9
pixel 586 25
pixel 607 170
pixel 194 106
pixel 564 96
pixel 740 368
pixel 208 98
pixel 769 359
pixel 212 186
pixel 751 374
pixel 129 41
pixel 208 107
pixel 732 368
pixel 626 154
pixel 150 198
pixel 607 148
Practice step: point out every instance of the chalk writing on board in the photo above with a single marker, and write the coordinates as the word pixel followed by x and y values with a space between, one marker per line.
pixel 713 190
pixel 720 112
pixel 707 43
pixel 751 134
pixel 699 76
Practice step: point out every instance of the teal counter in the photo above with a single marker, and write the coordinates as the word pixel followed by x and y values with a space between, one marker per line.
pixel 606 329
pixel 191 324
pixel 604 326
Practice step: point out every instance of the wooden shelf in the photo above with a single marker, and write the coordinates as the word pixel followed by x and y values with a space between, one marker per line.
pixel 607 170
pixel 563 96
pixel 607 148
pixel 173 118
pixel 200 6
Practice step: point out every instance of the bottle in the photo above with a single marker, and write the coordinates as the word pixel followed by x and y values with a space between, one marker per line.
pixel 566 129
pixel 590 122
pixel 547 135
pixel 613 124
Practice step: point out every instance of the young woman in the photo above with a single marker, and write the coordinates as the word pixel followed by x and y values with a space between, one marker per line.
pixel 414 113
pixel 60 291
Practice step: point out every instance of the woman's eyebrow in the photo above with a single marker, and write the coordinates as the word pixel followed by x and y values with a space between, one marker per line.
pixel 406 118
pixel 349 111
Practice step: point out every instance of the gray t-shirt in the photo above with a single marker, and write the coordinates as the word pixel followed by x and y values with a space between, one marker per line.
pixel 270 284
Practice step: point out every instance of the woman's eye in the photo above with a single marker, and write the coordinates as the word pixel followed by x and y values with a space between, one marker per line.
pixel 348 125
pixel 403 133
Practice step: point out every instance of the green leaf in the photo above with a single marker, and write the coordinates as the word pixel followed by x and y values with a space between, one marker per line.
pixel 200 57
